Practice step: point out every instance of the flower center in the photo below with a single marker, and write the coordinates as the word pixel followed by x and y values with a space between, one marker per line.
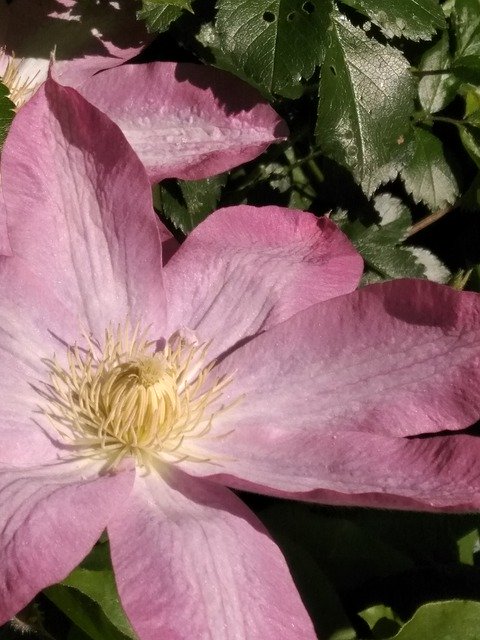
pixel 15 75
pixel 126 397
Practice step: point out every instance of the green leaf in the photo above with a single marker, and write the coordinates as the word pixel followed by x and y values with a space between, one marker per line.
pixel 201 197
pixel 448 7
pixel 467 68
pixel 472 105
pixel 159 14
pixel 470 200
pixel 474 284
pixel 436 91
pixel 187 202
pixel 466 547
pixel 395 218
pixel 277 43
pixel 380 244
pixel 7 112
pixel 301 193
pixel 467 27
pixel 183 4
pixel 381 620
pixel 77 634
pixel 408 18
pixel 427 176
pixel 432 267
pixel 470 135
pixel 290 179
pixel 366 98
pixel 349 555
pixel 87 615
pixel 450 620
pixel 92 585
pixel 208 37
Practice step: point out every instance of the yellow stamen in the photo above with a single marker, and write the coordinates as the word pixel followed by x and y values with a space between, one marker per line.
pixel 126 397
pixel 20 85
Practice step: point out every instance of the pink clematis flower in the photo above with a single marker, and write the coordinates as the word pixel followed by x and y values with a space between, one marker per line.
pixel 133 394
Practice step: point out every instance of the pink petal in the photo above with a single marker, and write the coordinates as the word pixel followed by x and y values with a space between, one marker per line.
pixel 34 326
pixel 185 120
pixel 433 474
pixel 246 269
pixel 4 242
pixel 86 37
pixel 326 397
pixel 79 210
pixel 398 358
pixel 191 561
pixel 50 517
pixel 362 469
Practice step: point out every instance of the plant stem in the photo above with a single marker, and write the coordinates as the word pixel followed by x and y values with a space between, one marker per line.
pixel 431 72
pixel 313 166
pixel 428 220
pixel 428 118
pixel 457 123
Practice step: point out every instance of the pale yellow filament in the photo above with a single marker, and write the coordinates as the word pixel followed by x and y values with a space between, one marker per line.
pixel 125 397
pixel 20 88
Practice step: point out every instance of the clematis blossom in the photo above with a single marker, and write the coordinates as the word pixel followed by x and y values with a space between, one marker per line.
pixel 135 394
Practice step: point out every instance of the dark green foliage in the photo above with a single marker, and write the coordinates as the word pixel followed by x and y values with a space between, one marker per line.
pixel 6 113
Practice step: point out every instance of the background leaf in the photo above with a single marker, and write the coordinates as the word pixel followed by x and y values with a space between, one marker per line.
pixel 89 597
pixel 7 112
pixel 77 634
pixel 187 202
pixel 366 98
pixel 427 176
pixel 275 42
pixel 402 18
pixel 347 553
pixel 436 91
pixel 84 613
pixel 159 14
pixel 382 620
pixel 466 17
pixel 380 244
pixel 208 37
pixel 470 134
pixel 455 620
pixel 467 68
